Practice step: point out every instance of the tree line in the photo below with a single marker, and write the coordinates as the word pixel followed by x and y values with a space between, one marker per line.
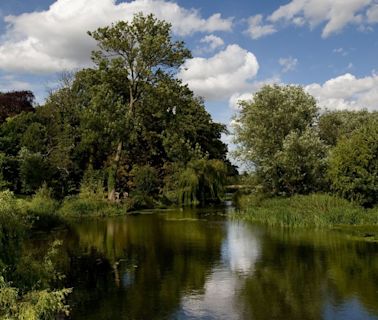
pixel 126 126
pixel 293 147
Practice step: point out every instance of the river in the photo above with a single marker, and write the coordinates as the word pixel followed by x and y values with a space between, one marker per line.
pixel 198 264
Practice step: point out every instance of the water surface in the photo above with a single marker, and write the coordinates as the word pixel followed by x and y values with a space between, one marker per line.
pixel 199 265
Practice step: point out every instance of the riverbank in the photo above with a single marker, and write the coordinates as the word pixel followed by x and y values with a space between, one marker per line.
pixel 315 211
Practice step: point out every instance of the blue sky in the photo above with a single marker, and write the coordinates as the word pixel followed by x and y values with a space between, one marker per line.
pixel 330 47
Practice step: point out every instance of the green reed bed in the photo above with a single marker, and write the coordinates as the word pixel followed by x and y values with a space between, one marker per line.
pixel 316 210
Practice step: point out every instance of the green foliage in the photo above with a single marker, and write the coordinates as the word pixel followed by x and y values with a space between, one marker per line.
pixel 269 133
pixel 315 210
pixel 25 282
pixel 92 185
pixel 353 165
pixel 42 209
pixel 35 137
pixel 34 170
pixel 144 180
pixel 13 227
pixel 334 125
pixel 201 180
pixel 34 301
pixel 132 57
pixel 301 163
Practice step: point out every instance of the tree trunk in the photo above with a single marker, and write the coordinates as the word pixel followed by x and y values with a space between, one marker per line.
pixel 112 179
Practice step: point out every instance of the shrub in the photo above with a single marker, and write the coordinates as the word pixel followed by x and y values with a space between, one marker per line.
pixel 36 300
pixel 12 227
pixel 43 209
pixel 81 205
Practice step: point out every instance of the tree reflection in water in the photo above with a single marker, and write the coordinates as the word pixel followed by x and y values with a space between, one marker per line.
pixel 185 265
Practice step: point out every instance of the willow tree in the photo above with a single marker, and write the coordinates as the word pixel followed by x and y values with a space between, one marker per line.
pixel 138 53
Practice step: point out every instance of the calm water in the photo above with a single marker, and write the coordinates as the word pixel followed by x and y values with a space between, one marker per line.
pixel 199 265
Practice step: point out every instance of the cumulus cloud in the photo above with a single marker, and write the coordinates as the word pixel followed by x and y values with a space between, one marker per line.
pixel 221 75
pixel 257 29
pixel 56 39
pixel 237 97
pixel 248 95
pixel 288 64
pixel 347 92
pixel 335 14
pixel 213 42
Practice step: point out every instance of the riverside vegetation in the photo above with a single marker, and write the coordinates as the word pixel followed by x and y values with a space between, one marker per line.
pixel 126 134
pixel 123 135
pixel 309 168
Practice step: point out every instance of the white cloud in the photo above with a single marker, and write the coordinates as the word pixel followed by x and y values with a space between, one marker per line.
pixel 222 75
pixel 335 14
pixel 372 14
pixel 213 42
pixel 288 64
pixel 256 28
pixel 347 92
pixel 234 100
pixel 237 97
pixel 56 39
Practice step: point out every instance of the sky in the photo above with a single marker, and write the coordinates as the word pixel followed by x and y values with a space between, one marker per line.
pixel 330 47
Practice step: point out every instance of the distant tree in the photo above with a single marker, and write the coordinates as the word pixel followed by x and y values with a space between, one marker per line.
pixel 353 165
pixel 15 102
pixel 269 130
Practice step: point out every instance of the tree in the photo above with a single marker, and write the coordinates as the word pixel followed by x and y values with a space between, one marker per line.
pixel 302 163
pixel 353 165
pixel 13 103
pixel 265 123
pixel 334 125
pixel 202 180
pixel 138 53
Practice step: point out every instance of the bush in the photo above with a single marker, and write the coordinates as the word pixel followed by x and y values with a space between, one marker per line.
pixel 81 205
pixel 43 209
pixel 13 227
pixel 353 165
pixel 33 301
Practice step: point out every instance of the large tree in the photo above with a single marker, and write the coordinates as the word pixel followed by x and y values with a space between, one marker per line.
pixel 268 132
pixel 137 53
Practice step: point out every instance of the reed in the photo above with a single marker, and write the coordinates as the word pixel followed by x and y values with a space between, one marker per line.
pixel 315 210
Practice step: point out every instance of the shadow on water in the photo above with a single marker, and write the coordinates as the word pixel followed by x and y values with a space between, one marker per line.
pixel 188 264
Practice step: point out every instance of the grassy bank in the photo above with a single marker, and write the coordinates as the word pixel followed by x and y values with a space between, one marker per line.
pixel 316 210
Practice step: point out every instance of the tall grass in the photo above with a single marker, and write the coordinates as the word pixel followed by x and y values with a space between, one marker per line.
pixel 316 210
pixel 89 204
